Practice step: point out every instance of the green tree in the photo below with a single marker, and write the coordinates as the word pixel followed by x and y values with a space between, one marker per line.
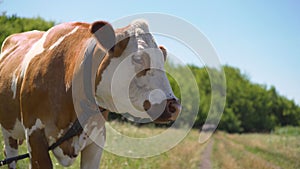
pixel 14 24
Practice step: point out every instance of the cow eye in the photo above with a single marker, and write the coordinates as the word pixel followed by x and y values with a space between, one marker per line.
pixel 137 59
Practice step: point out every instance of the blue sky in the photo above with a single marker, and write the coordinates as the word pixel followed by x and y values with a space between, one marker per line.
pixel 262 38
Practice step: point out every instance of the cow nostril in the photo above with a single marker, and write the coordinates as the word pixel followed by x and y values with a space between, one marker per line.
pixel 174 107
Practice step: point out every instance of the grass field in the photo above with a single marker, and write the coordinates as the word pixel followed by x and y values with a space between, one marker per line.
pixel 259 151
pixel 229 151
pixel 185 155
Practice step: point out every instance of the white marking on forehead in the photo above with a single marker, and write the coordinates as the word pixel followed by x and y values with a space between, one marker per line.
pixel 141 44
pixel 62 38
pixel 36 49
pixel 140 25
pixel 14 83
pixel 140 29
pixel 38 125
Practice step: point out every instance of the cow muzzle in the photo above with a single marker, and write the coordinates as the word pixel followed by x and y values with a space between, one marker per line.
pixel 167 111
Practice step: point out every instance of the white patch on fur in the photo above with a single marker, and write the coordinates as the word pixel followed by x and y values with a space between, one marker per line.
pixel 60 134
pixel 79 143
pixel 62 38
pixel 14 83
pixel 10 152
pixel 63 159
pixel 67 86
pixel 3 53
pixel 51 140
pixel 157 96
pixel 38 125
pixel 91 154
pixel 140 25
pixel 27 143
pixel 97 134
pixel 103 93
pixel 18 130
pixel 118 78
pixel 36 49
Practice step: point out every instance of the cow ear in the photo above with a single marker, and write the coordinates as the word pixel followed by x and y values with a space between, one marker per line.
pixel 164 51
pixel 104 34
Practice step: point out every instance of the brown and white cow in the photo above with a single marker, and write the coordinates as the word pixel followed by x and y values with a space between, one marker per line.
pixel 37 72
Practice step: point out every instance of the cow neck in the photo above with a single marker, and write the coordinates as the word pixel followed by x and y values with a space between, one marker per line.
pixel 86 101
pixel 84 85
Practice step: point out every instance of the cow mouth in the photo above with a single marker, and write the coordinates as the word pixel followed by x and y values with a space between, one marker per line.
pixel 163 113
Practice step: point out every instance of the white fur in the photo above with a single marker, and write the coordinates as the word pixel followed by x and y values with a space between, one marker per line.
pixel 18 130
pixel 63 159
pixel 28 131
pixel 60 134
pixel 103 92
pixel 79 142
pixel 91 153
pixel 62 38
pixel 156 96
pixel 14 83
pixel 36 49
pixel 10 152
pixel 67 86
pixel 112 91
pixel 93 131
pixel 3 46
pixel 139 25
pixel 38 125
pixel 3 53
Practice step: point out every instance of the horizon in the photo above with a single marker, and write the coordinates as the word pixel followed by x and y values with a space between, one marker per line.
pixel 262 39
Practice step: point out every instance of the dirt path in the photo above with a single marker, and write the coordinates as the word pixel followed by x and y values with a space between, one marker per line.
pixel 205 156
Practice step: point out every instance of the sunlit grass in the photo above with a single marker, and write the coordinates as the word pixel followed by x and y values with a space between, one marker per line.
pixel 260 151
pixel 230 151
pixel 185 155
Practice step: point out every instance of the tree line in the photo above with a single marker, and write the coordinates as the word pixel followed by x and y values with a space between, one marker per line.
pixel 249 107
pixel 14 24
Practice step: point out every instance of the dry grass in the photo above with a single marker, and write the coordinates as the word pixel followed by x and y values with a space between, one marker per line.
pixel 287 146
pixel 224 159
pixel 185 155
pixel 230 151
pixel 259 151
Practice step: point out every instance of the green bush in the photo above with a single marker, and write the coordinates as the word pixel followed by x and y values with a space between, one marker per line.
pixel 14 24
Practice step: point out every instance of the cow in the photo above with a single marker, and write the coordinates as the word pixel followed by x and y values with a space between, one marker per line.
pixel 40 74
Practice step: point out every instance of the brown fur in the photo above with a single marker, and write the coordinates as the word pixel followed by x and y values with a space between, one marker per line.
pixel 42 93
pixel 45 91
pixel 118 49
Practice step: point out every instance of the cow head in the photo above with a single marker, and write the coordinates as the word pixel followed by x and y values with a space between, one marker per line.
pixel 132 77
